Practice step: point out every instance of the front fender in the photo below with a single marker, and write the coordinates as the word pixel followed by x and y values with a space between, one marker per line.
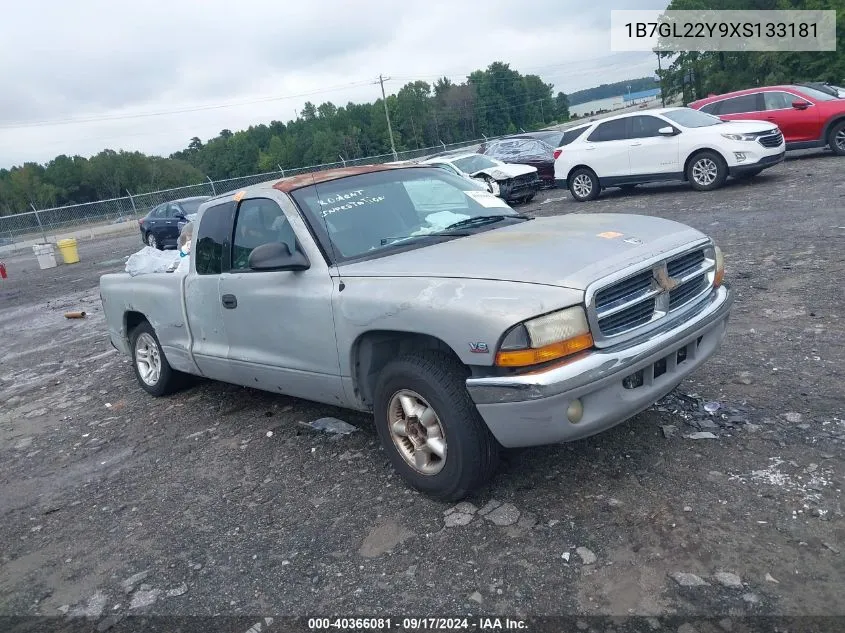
pixel 469 315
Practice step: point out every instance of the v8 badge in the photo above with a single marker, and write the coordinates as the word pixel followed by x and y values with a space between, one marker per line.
pixel 479 348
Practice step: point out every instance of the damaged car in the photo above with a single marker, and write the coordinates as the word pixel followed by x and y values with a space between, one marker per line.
pixel 415 295
pixel 524 150
pixel 512 183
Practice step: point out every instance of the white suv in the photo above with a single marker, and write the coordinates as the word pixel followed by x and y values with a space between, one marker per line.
pixel 665 144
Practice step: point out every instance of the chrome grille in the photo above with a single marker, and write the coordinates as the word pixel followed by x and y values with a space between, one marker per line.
pixel 625 307
pixel 771 139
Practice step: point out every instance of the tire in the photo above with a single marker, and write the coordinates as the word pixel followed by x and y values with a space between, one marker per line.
pixel 584 184
pixel 706 171
pixel 836 139
pixel 435 382
pixel 167 380
pixel 152 242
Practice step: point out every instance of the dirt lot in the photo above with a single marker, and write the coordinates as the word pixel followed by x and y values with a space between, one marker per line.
pixel 223 504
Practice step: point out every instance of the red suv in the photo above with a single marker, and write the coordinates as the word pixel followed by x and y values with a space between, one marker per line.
pixel 806 116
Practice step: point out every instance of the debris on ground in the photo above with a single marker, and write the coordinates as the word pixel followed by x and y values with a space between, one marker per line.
pixel 702 435
pixel 565 556
pixel 686 579
pixel 75 315
pixel 505 514
pixel 712 407
pixel 770 578
pixel 177 591
pixel 668 430
pixel 792 417
pixel 331 425
pixel 144 598
pixel 727 579
pixel 489 507
pixel 129 584
pixel 476 597
pixel 587 556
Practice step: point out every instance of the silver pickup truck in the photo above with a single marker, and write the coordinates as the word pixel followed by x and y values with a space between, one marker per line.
pixel 419 296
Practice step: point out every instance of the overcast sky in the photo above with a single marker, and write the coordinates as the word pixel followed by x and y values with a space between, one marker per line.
pixel 107 66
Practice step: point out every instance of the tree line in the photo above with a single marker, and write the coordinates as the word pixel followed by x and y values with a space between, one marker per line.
pixel 694 75
pixel 493 101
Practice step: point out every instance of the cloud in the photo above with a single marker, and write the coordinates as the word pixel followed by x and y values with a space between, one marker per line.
pixel 97 59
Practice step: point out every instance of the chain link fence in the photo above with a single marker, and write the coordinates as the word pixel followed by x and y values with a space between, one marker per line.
pixel 118 214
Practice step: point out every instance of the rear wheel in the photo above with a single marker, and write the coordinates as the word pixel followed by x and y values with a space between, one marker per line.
pixel 152 242
pixel 707 171
pixel 584 184
pixel 152 370
pixel 430 428
pixel 837 138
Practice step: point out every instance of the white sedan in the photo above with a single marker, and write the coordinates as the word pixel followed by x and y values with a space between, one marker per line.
pixel 513 183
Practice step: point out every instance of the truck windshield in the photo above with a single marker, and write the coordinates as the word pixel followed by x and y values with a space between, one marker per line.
pixel 370 213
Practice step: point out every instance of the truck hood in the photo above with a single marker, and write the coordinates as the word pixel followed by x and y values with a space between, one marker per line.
pixel 509 170
pixel 567 251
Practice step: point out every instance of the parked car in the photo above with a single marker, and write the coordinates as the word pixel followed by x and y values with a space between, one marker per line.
pixel 806 116
pixel 160 227
pixel 664 145
pixel 524 150
pixel 513 183
pixel 413 294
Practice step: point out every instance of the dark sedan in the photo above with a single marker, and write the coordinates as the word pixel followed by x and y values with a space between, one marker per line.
pixel 160 227
pixel 524 150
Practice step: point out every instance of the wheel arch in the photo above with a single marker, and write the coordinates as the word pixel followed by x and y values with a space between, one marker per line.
pixel 831 123
pixel 698 151
pixel 131 320
pixel 374 349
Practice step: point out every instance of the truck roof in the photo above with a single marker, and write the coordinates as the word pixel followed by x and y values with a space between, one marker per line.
pixel 291 183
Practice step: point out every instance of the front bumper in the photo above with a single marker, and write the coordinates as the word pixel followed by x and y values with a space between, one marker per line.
pixel 511 189
pixel 764 163
pixel 531 409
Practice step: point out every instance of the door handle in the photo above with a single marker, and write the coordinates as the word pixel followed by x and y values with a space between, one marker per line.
pixel 229 301
pixel 635 144
pixel 770 118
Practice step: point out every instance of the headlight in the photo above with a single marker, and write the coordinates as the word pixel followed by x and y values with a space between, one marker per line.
pixel 545 338
pixel 715 253
pixel 740 137
pixel 498 175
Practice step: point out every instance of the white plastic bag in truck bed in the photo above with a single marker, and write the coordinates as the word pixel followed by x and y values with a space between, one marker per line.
pixel 151 260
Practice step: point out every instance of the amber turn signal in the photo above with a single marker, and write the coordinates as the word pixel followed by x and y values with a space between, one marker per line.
pixel 534 356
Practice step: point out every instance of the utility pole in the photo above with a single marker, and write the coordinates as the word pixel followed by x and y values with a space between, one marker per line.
pixel 660 77
pixel 381 80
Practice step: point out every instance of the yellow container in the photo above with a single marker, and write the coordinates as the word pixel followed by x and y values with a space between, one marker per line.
pixel 68 250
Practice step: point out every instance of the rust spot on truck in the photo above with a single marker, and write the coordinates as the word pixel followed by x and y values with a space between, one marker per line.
pixel 315 178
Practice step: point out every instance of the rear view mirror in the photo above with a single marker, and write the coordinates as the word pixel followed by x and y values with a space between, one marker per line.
pixel 277 256
pixel 800 105
pixel 666 131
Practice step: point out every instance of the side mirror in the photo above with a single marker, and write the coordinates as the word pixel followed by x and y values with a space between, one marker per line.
pixel 666 131
pixel 277 256
pixel 800 105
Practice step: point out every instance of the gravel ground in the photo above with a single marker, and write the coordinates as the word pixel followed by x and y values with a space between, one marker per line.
pixel 216 501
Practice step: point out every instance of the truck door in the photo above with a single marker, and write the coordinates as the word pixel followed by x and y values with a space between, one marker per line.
pixel 202 291
pixel 279 323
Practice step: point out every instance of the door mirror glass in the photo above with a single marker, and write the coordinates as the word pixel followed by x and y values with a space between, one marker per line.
pixel 667 131
pixel 277 256
pixel 800 105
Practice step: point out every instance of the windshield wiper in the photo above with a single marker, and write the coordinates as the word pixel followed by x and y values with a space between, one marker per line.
pixel 481 220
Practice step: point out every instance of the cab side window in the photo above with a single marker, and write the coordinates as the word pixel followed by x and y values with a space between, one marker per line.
pixel 212 240
pixel 259 221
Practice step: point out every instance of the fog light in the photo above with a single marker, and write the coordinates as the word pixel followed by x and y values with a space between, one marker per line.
pixel 575 411
pixel 740 156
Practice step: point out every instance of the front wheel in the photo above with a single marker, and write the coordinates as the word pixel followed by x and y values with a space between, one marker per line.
pixel 584 184
pixel 837 139
pixel 707 171
pixel 430 428
pixel 154 373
